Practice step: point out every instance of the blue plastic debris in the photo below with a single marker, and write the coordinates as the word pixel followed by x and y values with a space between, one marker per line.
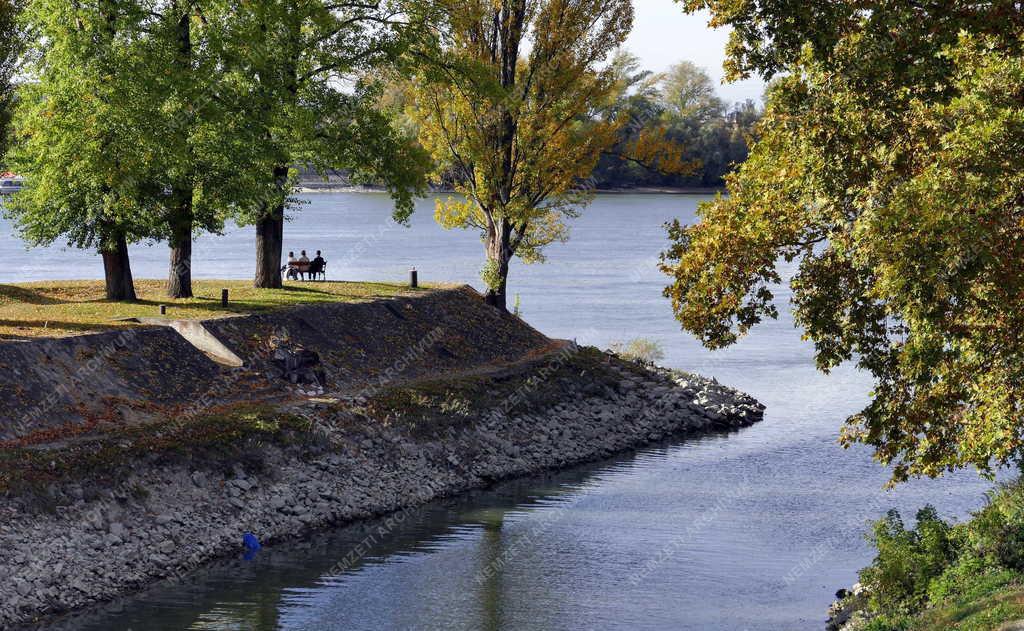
pixel 251 543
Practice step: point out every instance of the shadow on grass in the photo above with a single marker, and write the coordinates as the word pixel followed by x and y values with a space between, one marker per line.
pixel 53 325
pixel 59 316
pixel 29 295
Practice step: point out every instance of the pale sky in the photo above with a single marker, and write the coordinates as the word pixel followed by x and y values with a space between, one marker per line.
pixel 664 35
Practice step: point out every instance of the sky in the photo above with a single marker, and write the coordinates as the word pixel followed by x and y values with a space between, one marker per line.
pixel 664 35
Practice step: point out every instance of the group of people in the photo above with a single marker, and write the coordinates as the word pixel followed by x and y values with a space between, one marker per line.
pixel 299 268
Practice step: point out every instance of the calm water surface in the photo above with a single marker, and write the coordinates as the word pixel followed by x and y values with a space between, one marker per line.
pixel 750 530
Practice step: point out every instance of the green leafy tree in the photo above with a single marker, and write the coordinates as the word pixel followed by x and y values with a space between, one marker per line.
pixel 689 94
pixel 138 98
pixel 310 69
pixel 79 131
pixel 507 102
pixel 11 42
pixel 206 162
pixel 889 168
pixel 680 109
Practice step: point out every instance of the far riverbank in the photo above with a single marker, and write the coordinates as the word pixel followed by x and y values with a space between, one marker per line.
pixel 310 187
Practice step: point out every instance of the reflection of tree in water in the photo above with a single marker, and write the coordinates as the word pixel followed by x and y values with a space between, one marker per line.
pixel 491 572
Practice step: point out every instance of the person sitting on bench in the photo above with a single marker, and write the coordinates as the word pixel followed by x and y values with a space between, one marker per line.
pixel 318 266
pixel 294 268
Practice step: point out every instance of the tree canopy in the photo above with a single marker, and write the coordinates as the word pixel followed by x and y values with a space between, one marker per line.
pixel 679 109
pixel 10 48
pixel 889 168
pixel 127 130
pixel 84 106
pixel 312 70
pixel 160 119
pixel 507 100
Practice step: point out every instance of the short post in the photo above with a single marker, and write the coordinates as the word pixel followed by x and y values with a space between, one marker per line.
pixel 224 297
pixel 414 278
pixel 163 309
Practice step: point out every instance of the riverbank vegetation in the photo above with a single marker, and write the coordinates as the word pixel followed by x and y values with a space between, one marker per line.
pixel 711 135
pixel 889 169
pixel 60 308
pixel 938 575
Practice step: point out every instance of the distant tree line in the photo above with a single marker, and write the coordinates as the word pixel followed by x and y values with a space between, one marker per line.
pixel 683 103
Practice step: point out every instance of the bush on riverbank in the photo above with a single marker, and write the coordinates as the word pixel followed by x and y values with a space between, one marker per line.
pixel 641 350
pixel 948 576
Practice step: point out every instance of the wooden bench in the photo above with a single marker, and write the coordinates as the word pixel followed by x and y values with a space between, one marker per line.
pixel 303 268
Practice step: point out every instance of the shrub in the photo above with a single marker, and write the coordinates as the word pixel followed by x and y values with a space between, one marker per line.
pixel 490 273
pixel 997 531
pixel 939 567
pixel 641 350
pixel 907 561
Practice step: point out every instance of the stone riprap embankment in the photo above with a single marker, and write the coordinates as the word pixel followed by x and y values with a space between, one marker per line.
pixel 92 535
pixel 849 611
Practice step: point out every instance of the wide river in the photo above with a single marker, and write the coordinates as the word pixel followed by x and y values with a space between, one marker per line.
pixel 750 530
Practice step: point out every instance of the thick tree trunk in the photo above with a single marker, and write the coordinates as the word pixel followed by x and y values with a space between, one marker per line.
pixel 269 241
pixel 270 238
pixel 179 281
pixel 117 269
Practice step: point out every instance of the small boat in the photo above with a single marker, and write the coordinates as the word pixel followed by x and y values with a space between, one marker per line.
pixel 10 183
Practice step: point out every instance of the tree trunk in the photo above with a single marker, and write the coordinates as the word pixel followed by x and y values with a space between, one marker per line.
pixel 497 297
pixel 117 269
pixel 179 281
pixel 269 241
pixel 270 238
pixel 499 254
pixel 182 220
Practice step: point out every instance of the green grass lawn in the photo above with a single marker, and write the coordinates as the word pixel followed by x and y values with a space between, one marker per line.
pixel 62 308
pixel 995 600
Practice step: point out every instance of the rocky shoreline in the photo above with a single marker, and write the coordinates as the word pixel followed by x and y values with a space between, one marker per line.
pixel 846 613
pixel 361 459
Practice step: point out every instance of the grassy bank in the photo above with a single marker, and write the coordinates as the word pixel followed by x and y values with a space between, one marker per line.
pixel 937 575
pixel 62 308
pixel 995 602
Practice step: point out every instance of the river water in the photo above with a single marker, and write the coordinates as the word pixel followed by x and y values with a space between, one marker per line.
pixel 749 530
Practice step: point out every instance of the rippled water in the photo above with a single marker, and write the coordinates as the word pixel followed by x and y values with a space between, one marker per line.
pixel 750 530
